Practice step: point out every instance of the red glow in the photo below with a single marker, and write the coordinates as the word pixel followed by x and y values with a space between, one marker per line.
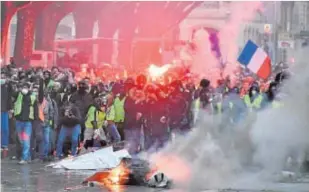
pixel 113 180
pixel 173 166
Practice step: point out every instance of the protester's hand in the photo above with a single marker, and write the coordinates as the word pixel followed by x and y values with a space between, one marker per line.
pixel 163 119
pixel 138 116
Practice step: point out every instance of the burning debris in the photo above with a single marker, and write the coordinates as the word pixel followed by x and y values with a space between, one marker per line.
pixel 129 172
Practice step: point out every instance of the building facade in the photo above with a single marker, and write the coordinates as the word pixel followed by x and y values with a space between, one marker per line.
pixel 215 15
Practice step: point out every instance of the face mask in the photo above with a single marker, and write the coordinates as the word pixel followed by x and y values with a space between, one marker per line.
pixel 35 93
pixel 2 81
pixel 24 91
pixel 253 92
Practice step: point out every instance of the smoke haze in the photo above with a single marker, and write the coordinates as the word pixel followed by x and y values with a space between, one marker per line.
pixel 251 154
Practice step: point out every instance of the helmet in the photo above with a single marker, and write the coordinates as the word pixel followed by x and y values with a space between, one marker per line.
pixel 158 179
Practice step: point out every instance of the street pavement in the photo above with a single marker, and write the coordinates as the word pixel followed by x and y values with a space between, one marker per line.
pixel 35 177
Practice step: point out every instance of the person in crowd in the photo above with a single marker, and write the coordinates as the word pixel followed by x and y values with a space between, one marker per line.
pixel 70 123
pixel 271 97
pixel 55 71
pixel 48 81
pixel 94 123
pixel 178 107
pixel 36 136
pixel 125 109
pixel 82 99
pixel 156 130
pixel 141 81
pixel 253 99
pixel 200 99
pixel 94 91
pixel 26 109
pixel 6 107
pixel 47 114
pixel 233 106
pixel 133 121
pixel 65 95
pixel 119 110
pixel 110 120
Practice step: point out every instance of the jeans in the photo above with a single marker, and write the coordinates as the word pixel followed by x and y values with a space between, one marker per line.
pixel 74 132
pixel 24 131
pixel 46 142
pixel 113 132
pixel 120 130
pixel 52 140
pixel 4 129
pixel 133 138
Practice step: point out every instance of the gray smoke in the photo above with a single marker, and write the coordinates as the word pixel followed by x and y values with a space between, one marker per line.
pixel 214 155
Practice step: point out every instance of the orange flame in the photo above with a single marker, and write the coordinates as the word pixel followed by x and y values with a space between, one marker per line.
pixel 116 178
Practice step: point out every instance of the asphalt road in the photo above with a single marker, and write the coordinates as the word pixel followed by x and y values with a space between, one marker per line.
pixel 36 177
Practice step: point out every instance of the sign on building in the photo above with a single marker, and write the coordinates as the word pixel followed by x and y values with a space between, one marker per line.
pixel 286 41
pixel 288 44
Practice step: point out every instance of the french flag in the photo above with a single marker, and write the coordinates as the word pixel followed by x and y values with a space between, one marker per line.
pixel 255 59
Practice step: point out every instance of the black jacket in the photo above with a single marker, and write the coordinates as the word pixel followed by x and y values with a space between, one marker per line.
pixel 68 121
pixel 131 109
pixel 178 107
pixel 25 109
pixel 6 97
pixel 82 101
pixel 156 109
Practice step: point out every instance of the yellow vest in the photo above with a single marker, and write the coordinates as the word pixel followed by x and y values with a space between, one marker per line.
pixel 110 113
pixel 18 105
pixel 95 115
pixel 119 109
pixel 256 103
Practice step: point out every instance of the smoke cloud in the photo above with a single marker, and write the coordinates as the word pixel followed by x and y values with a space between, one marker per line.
pixel 205 62
pixel 241 12
pixel 251 154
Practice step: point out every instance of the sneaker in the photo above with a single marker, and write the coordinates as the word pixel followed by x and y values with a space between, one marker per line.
pixel 22 162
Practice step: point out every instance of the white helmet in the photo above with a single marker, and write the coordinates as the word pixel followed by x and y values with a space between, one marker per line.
pixel 158 180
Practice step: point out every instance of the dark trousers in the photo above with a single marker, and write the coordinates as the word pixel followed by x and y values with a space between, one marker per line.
pixel 36 138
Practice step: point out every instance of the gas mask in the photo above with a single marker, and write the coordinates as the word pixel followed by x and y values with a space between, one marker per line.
pixel 25 91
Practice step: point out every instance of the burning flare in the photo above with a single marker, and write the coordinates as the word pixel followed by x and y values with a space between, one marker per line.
pixel 114 180
pixel 155 71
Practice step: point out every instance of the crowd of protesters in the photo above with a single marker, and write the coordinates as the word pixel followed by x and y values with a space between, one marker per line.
pixel 48 114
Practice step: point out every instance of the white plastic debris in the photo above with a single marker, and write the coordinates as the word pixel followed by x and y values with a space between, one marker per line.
pixel 104 158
